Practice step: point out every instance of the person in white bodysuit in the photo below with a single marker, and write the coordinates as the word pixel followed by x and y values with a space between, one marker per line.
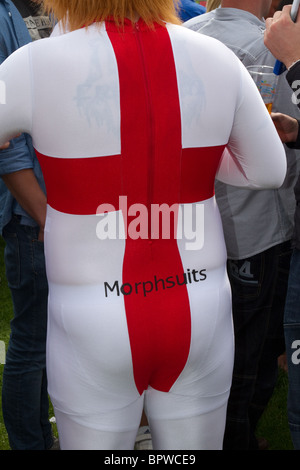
pixel 141 117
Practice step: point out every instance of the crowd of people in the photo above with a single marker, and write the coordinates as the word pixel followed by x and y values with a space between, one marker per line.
pixel 259 253
pixel 145 331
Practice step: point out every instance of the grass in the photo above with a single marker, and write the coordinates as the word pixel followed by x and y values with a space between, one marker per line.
pixel 273 425
pixel 5 317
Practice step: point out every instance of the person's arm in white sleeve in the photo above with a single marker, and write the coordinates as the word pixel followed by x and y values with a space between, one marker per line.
pixel 15 118
pixel 254 157
pixel 16 97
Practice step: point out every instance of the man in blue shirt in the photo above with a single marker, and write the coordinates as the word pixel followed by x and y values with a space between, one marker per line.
pixel 189 8
pixel 24 393
pixel 258 229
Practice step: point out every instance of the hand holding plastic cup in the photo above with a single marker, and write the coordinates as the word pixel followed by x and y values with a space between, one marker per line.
pixel 266 82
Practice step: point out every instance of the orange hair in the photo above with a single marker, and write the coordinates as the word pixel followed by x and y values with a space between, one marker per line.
pixel 79 13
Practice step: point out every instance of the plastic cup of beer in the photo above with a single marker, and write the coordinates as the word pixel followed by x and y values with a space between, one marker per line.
pixel 266 81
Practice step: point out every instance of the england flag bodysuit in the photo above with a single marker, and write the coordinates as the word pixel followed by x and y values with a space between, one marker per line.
pixel 131 128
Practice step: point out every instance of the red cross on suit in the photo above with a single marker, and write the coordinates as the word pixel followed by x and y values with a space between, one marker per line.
pixel 152 168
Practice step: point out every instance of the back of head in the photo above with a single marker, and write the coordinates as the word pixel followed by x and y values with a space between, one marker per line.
pixel 79 13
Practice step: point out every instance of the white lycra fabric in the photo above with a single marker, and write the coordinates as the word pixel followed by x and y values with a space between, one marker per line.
pixel 122 122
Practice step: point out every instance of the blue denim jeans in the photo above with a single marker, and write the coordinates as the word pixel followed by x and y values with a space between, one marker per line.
pixel 25 400
pixel 259 285
pixel 292 340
